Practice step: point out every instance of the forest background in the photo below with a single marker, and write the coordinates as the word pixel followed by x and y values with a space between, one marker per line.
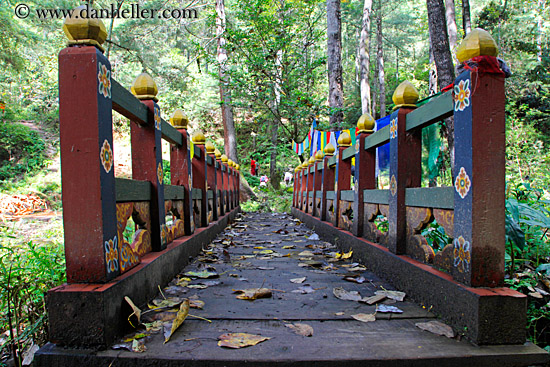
pixel 252 75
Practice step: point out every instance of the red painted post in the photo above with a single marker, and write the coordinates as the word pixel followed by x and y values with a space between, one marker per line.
pixel 405 165
pixel 180 169
pixel 479 174
pixel 365 171
pixel 231 184
pixel 147 157
pixel 199 175
pixel 219 183
pixel 212 176
pixel 226 187
pixel 88 182
pixel 303 185
pixel 344 174
pixel 327 180
pixel 309 184
pixel 318 181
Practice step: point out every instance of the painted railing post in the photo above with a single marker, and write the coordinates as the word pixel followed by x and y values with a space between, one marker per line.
pixel 147 157
pixel 199 175
pixel 180 169
pixel 479 167
pixel 231 184
pixel 344 174
pixel 86 136
pixel 303 185
pixel 318 181
pixel 295 186
pixel 211 177
pixel 405 169
pixel 219 183
pixel 227 195
pixel 327 183
pixel 238 184
pixel 365 170
pixel 309 179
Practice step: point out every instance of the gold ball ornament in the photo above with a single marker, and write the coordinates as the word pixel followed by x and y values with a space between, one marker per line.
pixel 179 120
pixel 344 140
pixel 311 160
pixel 210 148
pixel 144 87
pixel 478 42
pixel 198 138
pixel 224 158
pixel 319 156
pixel 329 149
pixel 82 31
pixel 366 123
pixel 405 95
pixel 218 154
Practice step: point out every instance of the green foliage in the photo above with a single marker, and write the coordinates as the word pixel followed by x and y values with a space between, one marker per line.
pixel 27 271
pixel 21 150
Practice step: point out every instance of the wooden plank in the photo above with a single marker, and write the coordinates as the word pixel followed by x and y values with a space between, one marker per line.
pixel 376 196
pixel 210 194
pixel 174 192
pixel 379 138
pixel 330 195
pixel 435 110
pixel 310 194
pixel 209 160
pixel 196 194
pixel 348 153
pixel 311 169
pixel 197 151
pixel 430 197
pixel 170 134
pixel 332 161
pixel 125 103
pixel 347 195
pixel 132 190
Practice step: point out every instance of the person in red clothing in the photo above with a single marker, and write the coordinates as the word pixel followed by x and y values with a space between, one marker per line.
pixel 252 167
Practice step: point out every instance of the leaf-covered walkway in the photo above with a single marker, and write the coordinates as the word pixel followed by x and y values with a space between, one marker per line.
pixel 304 284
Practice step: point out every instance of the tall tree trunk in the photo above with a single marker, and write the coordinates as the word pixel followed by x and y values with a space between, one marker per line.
pixel 334 63
pixel 466 20
pixel 541 4
pixel 364 47
pixel 450 16
pixel 432 79
pixel 380 60
pixel 230 136
pixel 443 61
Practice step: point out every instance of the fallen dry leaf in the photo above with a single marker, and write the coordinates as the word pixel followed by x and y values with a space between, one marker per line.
pixel 195 303
pixel 240 340
pixel 288 247
pixel 304 290
pixel 205 274
pixel 253 293
pixel 136 310
pixel 358 280
pixel 298 280
pixel 388 309
pixel 396 295
pixel 180 317
pixel 341 293
pixel 301 329
pixel 373 299
pixel 138 346
pixel 306 253
pixel 437 328
pixel 364 317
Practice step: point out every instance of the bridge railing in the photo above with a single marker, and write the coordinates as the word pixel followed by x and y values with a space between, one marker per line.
pixel 471 211
pixel 96 205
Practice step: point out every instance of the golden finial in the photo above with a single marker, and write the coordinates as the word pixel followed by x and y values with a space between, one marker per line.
pixel 365 123
pixel 311 160
pixel 405 95
pixel 298 168
pixel 238 167
pixel 144 87
pixel 329 150
pixel 210 148
pixel 179 120
pixel 224 158
pixel 82 31
pixel 319 156
pixel 344 140
pixel 198 138
pixel 476 43
pixel 230 163
pixel 218 154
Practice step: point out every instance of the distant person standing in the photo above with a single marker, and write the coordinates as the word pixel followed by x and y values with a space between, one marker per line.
pixel 288 178
pixel 263 181
pixel 252 167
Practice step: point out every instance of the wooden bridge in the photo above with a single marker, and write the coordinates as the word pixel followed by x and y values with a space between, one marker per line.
pixel 462 284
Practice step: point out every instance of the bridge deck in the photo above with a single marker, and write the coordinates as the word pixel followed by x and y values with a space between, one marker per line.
pixel 338 339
